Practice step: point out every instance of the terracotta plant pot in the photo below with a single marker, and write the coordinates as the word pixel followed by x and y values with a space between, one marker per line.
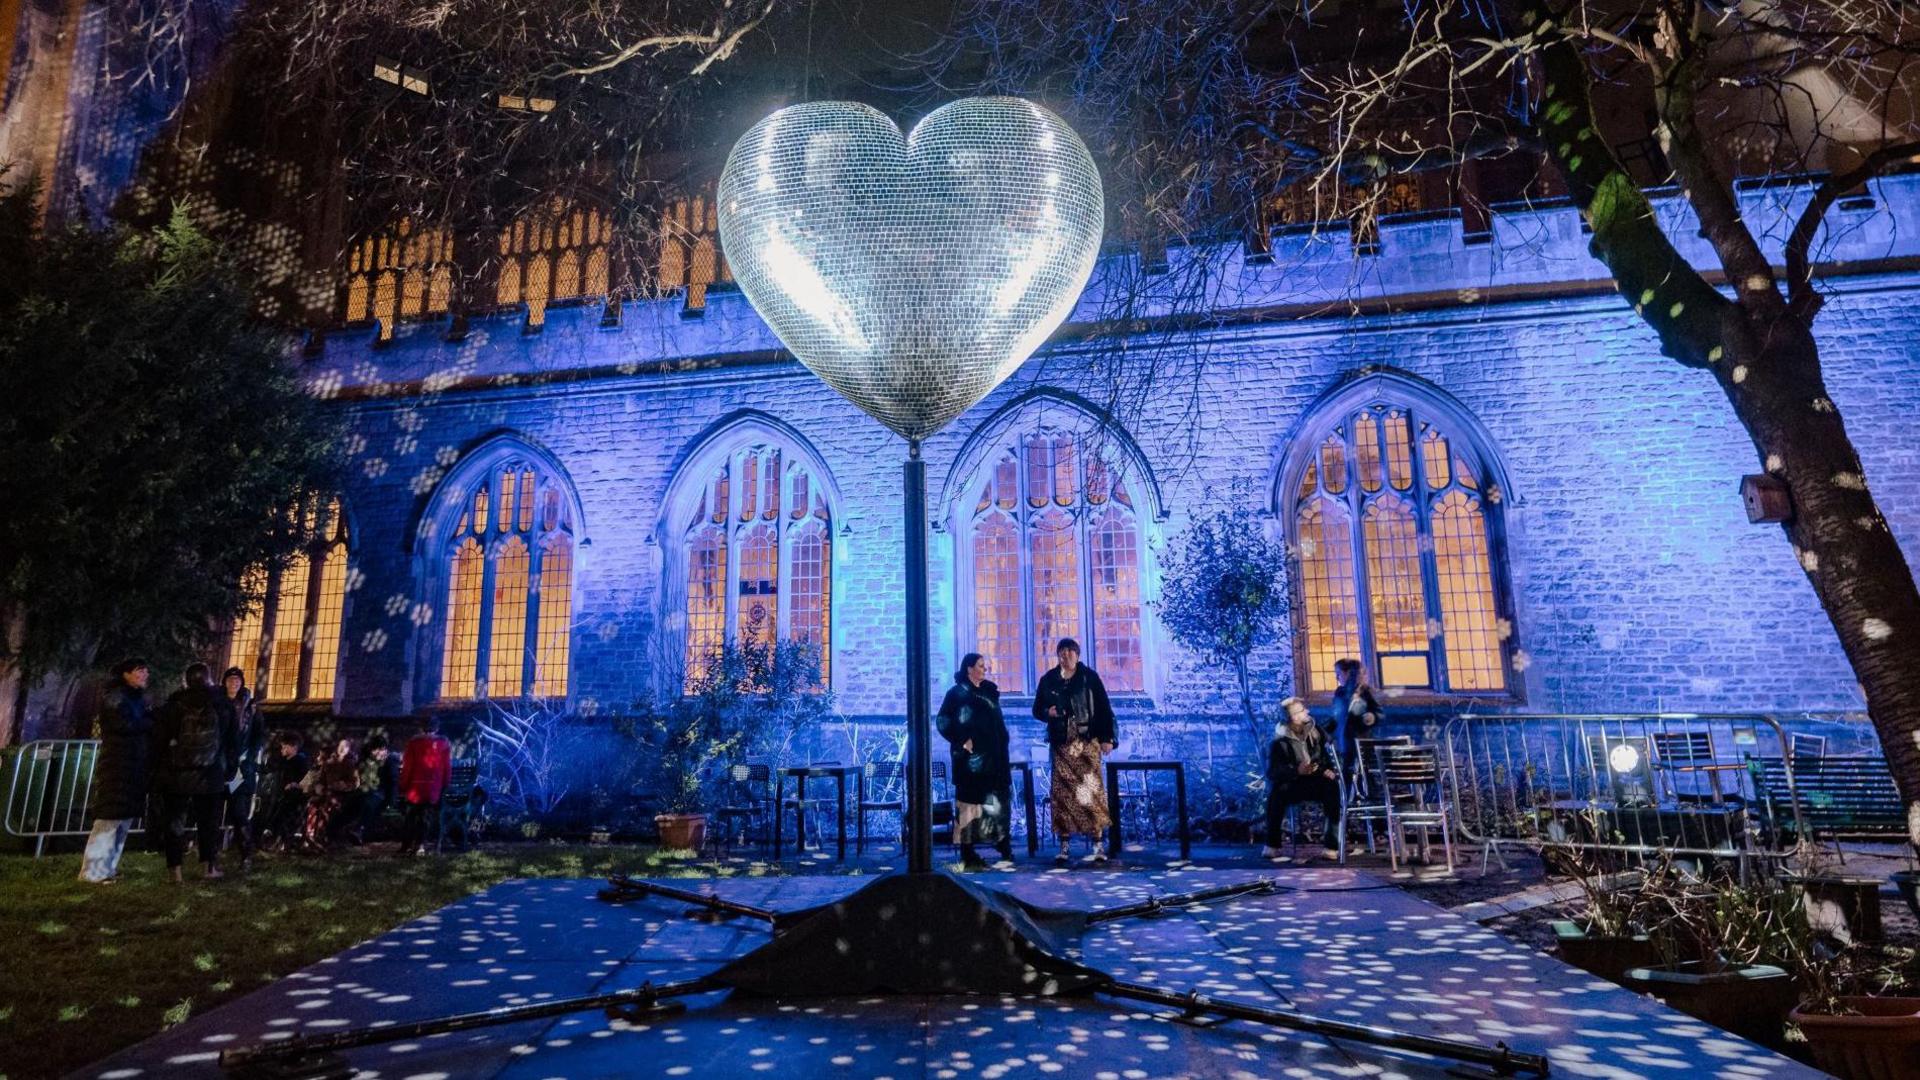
pixel 1882 1043
pixel 1606 955
pixel 682 832
pixel 1751 1002
pixel 1846 906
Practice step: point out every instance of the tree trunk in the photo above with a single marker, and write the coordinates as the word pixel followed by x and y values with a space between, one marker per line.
pixel 1838 533
pixel 1246 697
pixel 1767 361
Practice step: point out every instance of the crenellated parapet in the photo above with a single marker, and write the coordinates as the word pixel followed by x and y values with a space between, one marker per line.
pixel 1420 262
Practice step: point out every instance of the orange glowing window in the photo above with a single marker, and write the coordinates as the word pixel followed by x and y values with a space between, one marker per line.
pixel 243 650
pixel 289 640
pixel 507 639
pixel 513 553
pixel 460 660
pixel 1411 536
pixel 555 618
pixel 1055 552
pixel 754 575
pixel 289 631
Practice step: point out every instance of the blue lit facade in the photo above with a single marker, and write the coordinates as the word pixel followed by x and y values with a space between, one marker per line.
pixel 1626 573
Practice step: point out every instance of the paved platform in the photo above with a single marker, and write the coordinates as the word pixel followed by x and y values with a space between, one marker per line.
pixel 1339 943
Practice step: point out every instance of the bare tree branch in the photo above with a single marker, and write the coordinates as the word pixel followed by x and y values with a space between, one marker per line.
pixel 1803 300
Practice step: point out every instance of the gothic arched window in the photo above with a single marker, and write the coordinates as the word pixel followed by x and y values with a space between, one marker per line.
pixel 758 545
pixel 509 585
pixel 1395 525
pixel 289 643
pixel 1053 541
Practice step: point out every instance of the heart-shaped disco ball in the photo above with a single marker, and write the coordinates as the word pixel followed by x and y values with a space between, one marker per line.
pixel 913 273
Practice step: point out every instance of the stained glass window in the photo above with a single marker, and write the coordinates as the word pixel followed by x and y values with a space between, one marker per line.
pixel 243 648
pixel 459 675
pixel 756 574
pixel 509 610
pixel 1396 556
pixel 289 628
pixel 556 617
pixel 542 256
pixel 1055 551
pixel 288 643
pixel 402 272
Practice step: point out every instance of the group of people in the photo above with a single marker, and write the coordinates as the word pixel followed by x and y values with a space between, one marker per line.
pixel 1305 761
pixel 1301 763
pixel 1072 702
pixel 198 762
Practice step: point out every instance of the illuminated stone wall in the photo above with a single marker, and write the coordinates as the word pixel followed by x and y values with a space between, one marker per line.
pixel 1637 582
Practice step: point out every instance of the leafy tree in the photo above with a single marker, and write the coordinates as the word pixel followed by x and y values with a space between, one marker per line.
pixel 1224 594
pixel 155 434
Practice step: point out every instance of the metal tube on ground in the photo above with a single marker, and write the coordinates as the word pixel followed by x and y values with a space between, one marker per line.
pixel 1180 900
pixel 1500 1058
pixel 688 896
pixel 259 1053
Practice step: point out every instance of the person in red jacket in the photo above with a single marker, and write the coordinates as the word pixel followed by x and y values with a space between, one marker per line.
pixel 424 768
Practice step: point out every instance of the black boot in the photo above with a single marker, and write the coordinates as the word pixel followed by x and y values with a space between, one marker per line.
pixel 970 859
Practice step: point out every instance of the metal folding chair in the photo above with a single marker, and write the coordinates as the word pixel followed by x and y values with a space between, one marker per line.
pixel 749 800
pixel 1366 799
pixel 1412 782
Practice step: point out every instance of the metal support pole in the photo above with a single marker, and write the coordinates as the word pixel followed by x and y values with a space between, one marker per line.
pixel 919 677
pixel 1501 1059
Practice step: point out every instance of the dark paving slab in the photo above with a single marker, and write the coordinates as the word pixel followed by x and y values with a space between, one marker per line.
pixel 1336 942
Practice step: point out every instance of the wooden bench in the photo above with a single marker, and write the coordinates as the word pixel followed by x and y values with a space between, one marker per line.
pixel 1840 798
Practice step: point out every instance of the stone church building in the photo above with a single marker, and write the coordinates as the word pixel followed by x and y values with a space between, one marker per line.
pixel 1499 495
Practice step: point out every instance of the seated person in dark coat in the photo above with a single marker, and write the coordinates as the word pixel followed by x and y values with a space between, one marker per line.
pixel 284 772
pixel 1301 769
pixel 976 732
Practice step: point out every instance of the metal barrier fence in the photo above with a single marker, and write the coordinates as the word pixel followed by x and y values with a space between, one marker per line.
pixel 50 789
pixel 1635 783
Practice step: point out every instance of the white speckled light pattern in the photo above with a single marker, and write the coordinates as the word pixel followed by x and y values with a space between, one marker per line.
pixel 912 273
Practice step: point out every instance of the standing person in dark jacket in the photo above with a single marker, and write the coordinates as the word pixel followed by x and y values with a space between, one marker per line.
pixel 1300 768
pixel 124 726
pixel 1356 711
pixel 251 741
pixel 196 751
pixel 976 732
pixel 1072 701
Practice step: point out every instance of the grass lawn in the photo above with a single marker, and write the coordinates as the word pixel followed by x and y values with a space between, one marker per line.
pixel 91 969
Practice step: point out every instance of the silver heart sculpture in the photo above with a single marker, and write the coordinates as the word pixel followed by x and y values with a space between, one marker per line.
pixel 913 273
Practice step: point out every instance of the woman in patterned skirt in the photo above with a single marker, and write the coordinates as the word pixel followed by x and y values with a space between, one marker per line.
pixel 1073 703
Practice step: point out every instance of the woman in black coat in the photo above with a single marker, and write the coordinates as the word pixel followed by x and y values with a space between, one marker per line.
pixel 122 772
pixel 976 731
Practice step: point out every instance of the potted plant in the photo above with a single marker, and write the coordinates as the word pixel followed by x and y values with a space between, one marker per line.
pixel 686 742
pixel 1868 1038
pixel 1853 1029
pixel 1728 951
pixel 1605 938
